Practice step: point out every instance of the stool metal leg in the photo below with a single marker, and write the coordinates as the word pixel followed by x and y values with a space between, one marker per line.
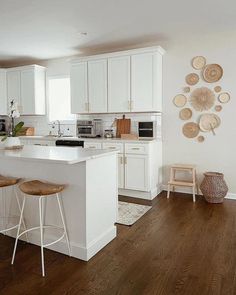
pixel 23 221
pixel 4 209
pixel 41 235
pixel 63 222
pixel 18 230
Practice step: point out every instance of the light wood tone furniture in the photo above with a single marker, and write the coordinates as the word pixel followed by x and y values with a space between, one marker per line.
pixel 26 131
pixel 193 183
pixel 5 183
pixel 41 190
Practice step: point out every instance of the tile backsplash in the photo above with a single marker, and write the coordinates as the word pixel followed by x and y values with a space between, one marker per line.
pixel 42 127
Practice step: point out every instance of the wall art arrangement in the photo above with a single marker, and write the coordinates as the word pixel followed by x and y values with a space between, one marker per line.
pixel 204 102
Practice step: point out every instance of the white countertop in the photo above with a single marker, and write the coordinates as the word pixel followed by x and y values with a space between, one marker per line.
pixel 102 139
pixel 63 155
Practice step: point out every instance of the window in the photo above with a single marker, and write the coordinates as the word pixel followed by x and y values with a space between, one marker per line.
pixel 59 105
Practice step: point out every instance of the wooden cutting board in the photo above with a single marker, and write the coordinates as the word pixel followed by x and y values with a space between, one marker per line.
pixel 122 126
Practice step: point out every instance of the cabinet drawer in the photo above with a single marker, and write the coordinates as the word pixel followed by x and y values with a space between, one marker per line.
pixel 92 145
pixel 132 148
pixel 112 146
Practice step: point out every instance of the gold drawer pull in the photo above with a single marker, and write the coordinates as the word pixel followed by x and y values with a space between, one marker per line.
pixel 112 147
pixel 135 149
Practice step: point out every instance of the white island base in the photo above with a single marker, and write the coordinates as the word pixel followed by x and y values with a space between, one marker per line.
pixel 90 198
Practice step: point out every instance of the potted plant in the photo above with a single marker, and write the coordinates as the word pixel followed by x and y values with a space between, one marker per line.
pixel 11 138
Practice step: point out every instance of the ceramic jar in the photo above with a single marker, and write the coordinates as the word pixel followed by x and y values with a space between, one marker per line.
pixel 214 187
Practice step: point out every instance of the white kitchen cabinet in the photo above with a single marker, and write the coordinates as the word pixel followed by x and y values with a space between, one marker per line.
pixel 136 172
pixel 119 84
pixel 26 85
pixel 79 88
pixel 130 81
pixel 13 86
pixel 3 93
pixel 97 86
pixel 145 82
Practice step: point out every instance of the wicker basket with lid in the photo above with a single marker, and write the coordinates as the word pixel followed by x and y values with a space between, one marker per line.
pixel 214 187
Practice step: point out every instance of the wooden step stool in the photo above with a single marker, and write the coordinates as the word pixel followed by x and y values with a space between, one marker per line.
pixel 175 182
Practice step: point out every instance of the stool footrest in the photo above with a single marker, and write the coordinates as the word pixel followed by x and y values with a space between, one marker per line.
pixel 182 183
pixel 8 229
pixel 38 227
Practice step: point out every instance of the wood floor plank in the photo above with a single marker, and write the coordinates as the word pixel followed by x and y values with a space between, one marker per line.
pixel 177 248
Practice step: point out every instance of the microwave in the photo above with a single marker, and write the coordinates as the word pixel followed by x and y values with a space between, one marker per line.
pixel 89 128
pixel 146 129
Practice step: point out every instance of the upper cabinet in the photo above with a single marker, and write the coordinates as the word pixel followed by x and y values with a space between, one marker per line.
pixel 3 92
pixel 97 86
pixel 146 81
pixel 79 88
pixel 26 85
pixel 119 84
pixel 127 81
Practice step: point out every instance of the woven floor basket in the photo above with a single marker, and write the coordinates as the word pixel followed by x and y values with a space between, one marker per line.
pixel 214 187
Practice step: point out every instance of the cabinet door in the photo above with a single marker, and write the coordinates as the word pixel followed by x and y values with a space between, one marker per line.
pixel 28 92
pixel 121 171
pixel 79 88
pixel 144 84
pixel 119 84
pixel 3 94
pixel 136 172
pixel 13 87
pixel 97 86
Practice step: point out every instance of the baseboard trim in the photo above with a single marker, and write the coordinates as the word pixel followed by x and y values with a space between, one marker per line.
pixel 230 196
pixel 77 250
pixel 140 194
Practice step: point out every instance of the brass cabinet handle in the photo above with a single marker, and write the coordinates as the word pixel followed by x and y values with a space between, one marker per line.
pixel 112 147
pixel 135 149
pixel 121 160
pixel 125 160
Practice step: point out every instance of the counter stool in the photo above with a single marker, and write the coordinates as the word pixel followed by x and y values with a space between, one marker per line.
pixel 5 183
pixel 193 183
pixel 41 190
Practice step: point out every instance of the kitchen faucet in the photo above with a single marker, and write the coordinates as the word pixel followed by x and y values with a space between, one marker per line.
pixel 59 132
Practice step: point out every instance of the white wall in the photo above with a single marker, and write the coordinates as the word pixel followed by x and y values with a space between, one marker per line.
pixel 217 153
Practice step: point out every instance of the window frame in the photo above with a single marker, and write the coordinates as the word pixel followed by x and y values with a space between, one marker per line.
pixel 65 122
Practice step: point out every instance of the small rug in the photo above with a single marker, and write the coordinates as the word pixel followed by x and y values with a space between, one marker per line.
pixel 129 213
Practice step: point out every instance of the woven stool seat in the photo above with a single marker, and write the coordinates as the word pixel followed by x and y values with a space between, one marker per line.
pixel 7 181
pixel 39 188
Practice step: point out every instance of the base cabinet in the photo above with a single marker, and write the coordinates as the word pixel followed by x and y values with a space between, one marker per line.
pixel 136 172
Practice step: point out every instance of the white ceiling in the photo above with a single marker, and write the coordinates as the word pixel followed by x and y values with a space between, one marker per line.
pixel 45 29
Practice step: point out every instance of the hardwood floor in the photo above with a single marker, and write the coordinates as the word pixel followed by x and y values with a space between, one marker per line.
pixel 177 248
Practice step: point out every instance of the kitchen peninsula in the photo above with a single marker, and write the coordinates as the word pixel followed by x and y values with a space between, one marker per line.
pixel 90 198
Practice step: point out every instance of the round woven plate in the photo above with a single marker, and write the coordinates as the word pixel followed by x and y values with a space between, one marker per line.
pixel 180 100
pixel 198 62
pixel 202 99
pixel 208 122
pixel 218 108
pixel 201 138
pixel 192 79
pixel 224 97
pixel 212 73
pixel 217 89
pixel 191 129
pixel 186 89
pixel 185 114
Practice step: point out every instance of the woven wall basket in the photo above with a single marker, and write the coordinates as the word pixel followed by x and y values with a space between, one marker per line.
pixel 214 187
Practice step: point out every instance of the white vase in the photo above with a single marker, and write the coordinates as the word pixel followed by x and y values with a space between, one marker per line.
pixel 12 141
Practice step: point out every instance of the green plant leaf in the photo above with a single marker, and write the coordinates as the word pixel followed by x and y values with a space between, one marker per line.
pixel 4 138
pixel 17 128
